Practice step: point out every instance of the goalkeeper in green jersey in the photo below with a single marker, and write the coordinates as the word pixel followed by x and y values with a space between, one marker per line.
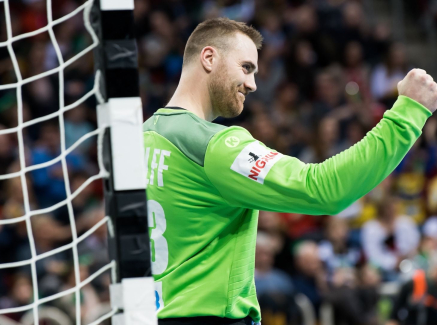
pixel 206 182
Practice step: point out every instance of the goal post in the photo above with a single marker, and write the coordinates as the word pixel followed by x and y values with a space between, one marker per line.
pixel 120 113
pixel 120 164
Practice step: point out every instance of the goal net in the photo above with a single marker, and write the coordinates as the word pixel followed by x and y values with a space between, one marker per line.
pixel 56 263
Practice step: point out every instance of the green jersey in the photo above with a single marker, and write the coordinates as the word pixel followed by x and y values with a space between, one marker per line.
pixel 206 183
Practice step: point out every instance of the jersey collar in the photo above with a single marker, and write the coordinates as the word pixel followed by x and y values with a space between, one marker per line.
pixel 172 110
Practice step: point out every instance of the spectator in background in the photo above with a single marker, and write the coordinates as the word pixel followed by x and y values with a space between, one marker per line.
pixel 386 76
pixel 47 234
pixel 310 276
pixel 95 246
pixel 430 231
pixel 76 126
pixel 89 297
pixel 156 46
pixel 13 236
pixel 356 71
pixel 287 115
pixel 273 287
pixel 8 155
pixel 274 224
pixel 238 10
pixel 331 16
pixel 10 119
pixel 49 182
pixel 270 75
pixel 285 107
pixel 329 90
pixel 41 94
pixel 267 279
pixel 301 67
pixel 264 129
pixel 380 40
pixel 271 30
pixel 416 302
pixel 68 35
pixel 335 251
pixel 324 142
pixel 306 24
pixel 430 144
pixel 34 15
pixel 344 295
pixel 365 209
pixel 353 29
pixel 428 246
pixel 355 131
pixel 431 194
pixel 7 152
pixel 369 283
pixel 389 239
pixel 20 294
pixel 410 183
pixel 85 200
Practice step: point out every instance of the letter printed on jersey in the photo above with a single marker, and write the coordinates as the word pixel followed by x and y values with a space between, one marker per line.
pixel 255 161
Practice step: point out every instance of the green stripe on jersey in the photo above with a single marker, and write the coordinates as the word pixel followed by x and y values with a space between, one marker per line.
pixel 189 133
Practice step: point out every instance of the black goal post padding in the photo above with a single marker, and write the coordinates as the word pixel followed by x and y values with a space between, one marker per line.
pixel 116 59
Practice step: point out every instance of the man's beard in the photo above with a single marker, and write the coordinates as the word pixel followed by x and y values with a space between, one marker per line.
pixel 224 95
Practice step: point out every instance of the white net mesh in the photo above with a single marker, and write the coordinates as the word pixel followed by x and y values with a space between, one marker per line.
pixel 26 168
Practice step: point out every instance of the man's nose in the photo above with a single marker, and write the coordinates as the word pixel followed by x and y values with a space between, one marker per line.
pixel 250 83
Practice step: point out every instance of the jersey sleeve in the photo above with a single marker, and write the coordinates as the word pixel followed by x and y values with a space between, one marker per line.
pixel 248 174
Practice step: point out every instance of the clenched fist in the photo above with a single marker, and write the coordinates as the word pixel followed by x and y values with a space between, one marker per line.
pixel 420 86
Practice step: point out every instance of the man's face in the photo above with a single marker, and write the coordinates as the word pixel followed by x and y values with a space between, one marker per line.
pixel 233 77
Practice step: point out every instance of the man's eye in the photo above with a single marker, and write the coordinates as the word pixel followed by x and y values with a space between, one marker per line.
pixel 246 67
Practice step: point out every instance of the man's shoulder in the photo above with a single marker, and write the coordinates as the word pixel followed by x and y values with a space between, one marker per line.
pixel 189 133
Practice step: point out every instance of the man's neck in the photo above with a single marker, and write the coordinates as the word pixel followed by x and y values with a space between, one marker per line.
pixel 192 95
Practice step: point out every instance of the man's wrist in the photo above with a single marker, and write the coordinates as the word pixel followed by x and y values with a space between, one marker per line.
pixel 410 111
pixel 410 101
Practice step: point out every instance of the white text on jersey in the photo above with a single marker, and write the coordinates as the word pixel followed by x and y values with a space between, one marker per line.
pixel 157 162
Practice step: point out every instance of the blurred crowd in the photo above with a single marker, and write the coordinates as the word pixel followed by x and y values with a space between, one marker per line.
pixel 326 77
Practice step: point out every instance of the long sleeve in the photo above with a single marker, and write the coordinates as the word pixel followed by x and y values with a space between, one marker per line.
pixel 248 174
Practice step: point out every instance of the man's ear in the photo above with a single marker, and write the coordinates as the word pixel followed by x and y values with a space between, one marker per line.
pixel 208 57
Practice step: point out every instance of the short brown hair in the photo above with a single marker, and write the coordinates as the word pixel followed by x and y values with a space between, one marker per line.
pixel 215 32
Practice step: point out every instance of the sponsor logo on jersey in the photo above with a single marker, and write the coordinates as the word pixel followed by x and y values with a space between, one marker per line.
pixel 261 164
pixel 253 157
pixel 232 141
pixel 255 161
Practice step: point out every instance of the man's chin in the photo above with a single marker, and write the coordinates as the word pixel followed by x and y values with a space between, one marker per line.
pixel 233 112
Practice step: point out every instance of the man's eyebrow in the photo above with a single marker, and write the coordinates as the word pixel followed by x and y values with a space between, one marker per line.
pixel 252 66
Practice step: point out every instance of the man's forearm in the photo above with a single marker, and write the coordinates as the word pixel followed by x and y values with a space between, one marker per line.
pixel 344 178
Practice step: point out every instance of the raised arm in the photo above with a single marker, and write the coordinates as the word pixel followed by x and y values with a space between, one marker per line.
pixel 248 174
